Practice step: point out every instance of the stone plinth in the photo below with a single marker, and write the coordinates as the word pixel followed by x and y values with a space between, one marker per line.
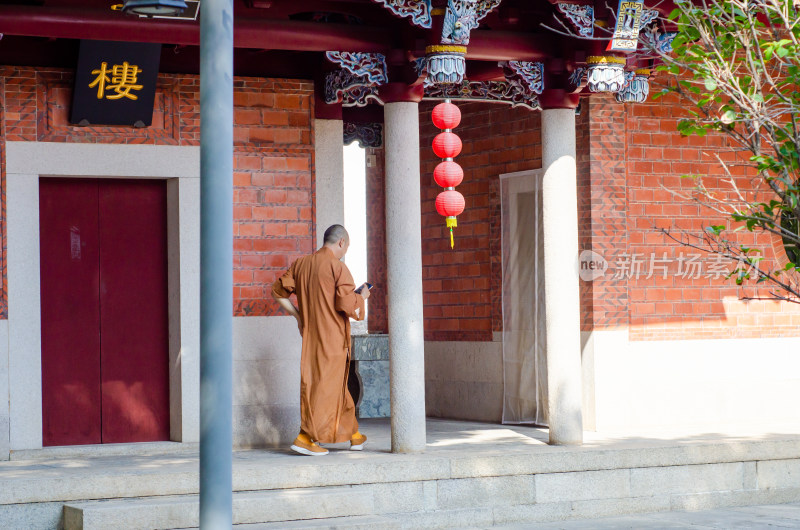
pixel 371 361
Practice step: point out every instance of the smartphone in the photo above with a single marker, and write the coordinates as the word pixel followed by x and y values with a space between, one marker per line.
pixel 369 286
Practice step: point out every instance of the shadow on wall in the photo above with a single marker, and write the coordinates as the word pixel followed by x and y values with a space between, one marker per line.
pixel 464 380
pixel 266 381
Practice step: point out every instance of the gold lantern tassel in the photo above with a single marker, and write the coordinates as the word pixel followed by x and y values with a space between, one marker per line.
pixel 451 223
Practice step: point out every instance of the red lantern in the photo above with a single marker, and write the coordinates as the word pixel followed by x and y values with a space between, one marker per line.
pixel 446 116
pixel 449 203
pixel 448 174
pixel 447 145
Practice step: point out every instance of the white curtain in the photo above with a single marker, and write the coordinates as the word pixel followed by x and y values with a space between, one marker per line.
pixel 524 368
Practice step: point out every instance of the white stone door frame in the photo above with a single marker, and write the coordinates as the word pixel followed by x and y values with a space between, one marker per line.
pixel 26 162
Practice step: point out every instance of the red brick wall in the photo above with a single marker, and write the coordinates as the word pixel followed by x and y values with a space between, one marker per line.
pixel 602 206
pixel 682 306
pixel 462 286
pixel 273 186
pixel 583 166
pixel 273 160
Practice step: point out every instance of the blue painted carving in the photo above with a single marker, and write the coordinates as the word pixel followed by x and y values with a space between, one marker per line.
pixel 526 76
pixel 357 81
pixel 338 83
pixel 366 134
pixel 581 16
pixel 578 78
pixel 606 74
pixel 664 41
pixel 605 78
pixel 648 17
pixel 658 41
pixel 419 11
pixel 462 16
pixel 371 66
pixel 421 66
pixel 636 88
pixel 445 68
pixel 360 96
pixel 496 91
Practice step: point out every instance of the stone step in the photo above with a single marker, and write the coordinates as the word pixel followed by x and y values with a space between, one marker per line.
pixel 439 489
pixel 146 513
pixel 140 476
pixel 332 523
pixel 105 450
pixel 461 519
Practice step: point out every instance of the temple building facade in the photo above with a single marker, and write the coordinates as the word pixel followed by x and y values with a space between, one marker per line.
pixel 561 302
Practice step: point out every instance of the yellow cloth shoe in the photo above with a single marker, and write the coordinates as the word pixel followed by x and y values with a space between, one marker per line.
pixel 303 445
pixel 358 441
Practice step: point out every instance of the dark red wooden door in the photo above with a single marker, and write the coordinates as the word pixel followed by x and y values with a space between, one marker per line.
pixel 130 364
pixel 70 277
pixel 133 310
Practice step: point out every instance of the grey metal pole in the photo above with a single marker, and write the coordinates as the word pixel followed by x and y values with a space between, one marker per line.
pixel 216 264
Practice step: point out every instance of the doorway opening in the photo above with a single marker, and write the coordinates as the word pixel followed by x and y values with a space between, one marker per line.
pixel 355 219
pixel 524 338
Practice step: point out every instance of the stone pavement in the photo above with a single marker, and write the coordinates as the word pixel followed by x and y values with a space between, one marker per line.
pixel 770 516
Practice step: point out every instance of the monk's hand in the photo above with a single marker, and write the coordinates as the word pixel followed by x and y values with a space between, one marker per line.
pixel 364 292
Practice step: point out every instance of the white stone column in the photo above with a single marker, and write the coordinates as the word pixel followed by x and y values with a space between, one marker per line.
pixel 329 169
pixel 404 274
pixel 562 299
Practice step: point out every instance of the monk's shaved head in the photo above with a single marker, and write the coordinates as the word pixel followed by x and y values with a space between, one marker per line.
pixel 336 233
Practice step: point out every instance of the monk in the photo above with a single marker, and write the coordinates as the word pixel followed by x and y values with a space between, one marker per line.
pixel 326 300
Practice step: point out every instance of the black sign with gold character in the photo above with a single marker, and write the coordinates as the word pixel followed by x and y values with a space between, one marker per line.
pixel 115 83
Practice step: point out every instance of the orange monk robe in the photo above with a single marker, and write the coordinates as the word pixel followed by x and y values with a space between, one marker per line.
pixel 325 297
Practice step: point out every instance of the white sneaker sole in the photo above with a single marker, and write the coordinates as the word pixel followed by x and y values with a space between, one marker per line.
pixel 359 447
pixel 304 451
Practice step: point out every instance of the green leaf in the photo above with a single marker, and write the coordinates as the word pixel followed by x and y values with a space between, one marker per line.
pixel 728 117
pixel 710 83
